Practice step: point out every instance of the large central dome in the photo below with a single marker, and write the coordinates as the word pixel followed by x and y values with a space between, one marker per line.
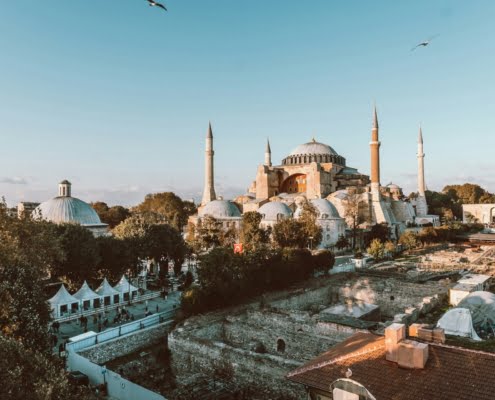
pixel 313 152
pixel 313 147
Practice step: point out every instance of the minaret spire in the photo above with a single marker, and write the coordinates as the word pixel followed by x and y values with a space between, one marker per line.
pixel 375 158
pixel 268 154
pixel 421 165
pixel 209 190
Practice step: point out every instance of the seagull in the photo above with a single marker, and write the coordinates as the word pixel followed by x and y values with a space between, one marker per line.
pixel 153 3
pixel 425 43
pixel 348 373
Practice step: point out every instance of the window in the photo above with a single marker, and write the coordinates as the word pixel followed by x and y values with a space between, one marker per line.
pixel 280 346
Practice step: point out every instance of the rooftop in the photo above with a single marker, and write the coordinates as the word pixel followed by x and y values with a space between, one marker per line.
pixel 450 372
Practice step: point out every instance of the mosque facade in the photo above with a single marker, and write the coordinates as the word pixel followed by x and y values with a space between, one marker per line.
pixel 314 172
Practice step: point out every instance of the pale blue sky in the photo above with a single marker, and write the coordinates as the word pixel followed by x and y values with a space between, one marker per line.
pixel 116 96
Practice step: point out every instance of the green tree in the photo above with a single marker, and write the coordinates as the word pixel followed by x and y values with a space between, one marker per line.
pixel 409 240
pixel 111 215
pixel 342 242
pixel 170 206
pixel 289 233
pixel 376 249
pixel 26 373
pixel 208 233
pixel 28 249
pixel 252 235
pixel 117 256
pixel 390 248
pixel 311 229
pixel 151 238
pixel 380 232
pixel 81 254
pixel 352 211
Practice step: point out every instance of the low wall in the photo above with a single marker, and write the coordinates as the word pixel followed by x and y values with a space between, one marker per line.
pixel 117 387
pixel 120 346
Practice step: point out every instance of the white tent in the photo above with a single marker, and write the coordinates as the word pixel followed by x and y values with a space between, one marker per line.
pixel 458 322
pixel 63 302
pixel 87 297
pixel 125 288
pixel 482 307
pixel 108 293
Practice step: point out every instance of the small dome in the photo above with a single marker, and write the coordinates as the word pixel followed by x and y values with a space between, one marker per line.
pixel 325 209
pixel 220 209
pixel 65 209
pixel 274 211
pixel 313 147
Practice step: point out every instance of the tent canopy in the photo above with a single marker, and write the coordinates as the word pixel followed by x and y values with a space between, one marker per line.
pixel 62 297
pixel 458 322
pixel 105 289
pixel 124 286
pixel 86 293
pixel 482 307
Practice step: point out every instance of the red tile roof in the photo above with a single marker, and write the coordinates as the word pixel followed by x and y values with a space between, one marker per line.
pixel 451 373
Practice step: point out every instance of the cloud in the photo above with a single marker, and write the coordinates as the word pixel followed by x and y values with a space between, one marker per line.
pixel 15 180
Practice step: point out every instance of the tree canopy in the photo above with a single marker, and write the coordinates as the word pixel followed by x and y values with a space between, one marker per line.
pixel 111 215
pixel 169 206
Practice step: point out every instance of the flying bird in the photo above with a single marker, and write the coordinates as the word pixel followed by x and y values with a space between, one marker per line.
pixel 153 3
pixel 425 43
pixel 348 373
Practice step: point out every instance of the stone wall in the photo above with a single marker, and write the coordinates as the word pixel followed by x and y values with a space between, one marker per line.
pixel 103 353
pixel 393 296
pixel 247 369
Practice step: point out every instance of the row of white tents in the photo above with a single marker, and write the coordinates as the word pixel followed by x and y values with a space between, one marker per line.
pixel 63 303
pixel 476 312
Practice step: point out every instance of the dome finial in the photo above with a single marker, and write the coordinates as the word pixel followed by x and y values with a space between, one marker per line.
pixel 313 139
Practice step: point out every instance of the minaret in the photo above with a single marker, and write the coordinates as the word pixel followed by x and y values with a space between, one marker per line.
pixel 209 191
pixel 375 159
pixel 421 164
pixel 64 188
pixel 268 154
pixel 421 205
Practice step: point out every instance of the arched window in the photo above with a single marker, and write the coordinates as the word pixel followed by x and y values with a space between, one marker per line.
pixel 280 346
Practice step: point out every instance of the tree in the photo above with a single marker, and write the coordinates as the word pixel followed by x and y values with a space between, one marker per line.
pixel 324 260
pixel 81 254
pixel 208 233
pixel 289 233
pixel 311 229
pixel 26 373
pixel 27 251
pixel 342 242
pixel 111 215
pixel 170 206
pixel 380 232
pixel 352 212
pixel 390 248
pixel 428 235
pixel 117 256
pixel 151 238
pixel 376 249
pixel 409 240
pixel 251 234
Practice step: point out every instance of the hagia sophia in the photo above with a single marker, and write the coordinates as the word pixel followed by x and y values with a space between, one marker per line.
pixel 315 172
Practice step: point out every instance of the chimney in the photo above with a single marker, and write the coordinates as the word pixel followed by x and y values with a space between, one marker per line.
pixel 406 353
pixel 394 334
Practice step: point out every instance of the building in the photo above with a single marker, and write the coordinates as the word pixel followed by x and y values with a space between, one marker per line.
pixel 468 284
pixel 479 213
pixel 67 209
pixel 25 208
pixel 370 367
pixel 315 172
